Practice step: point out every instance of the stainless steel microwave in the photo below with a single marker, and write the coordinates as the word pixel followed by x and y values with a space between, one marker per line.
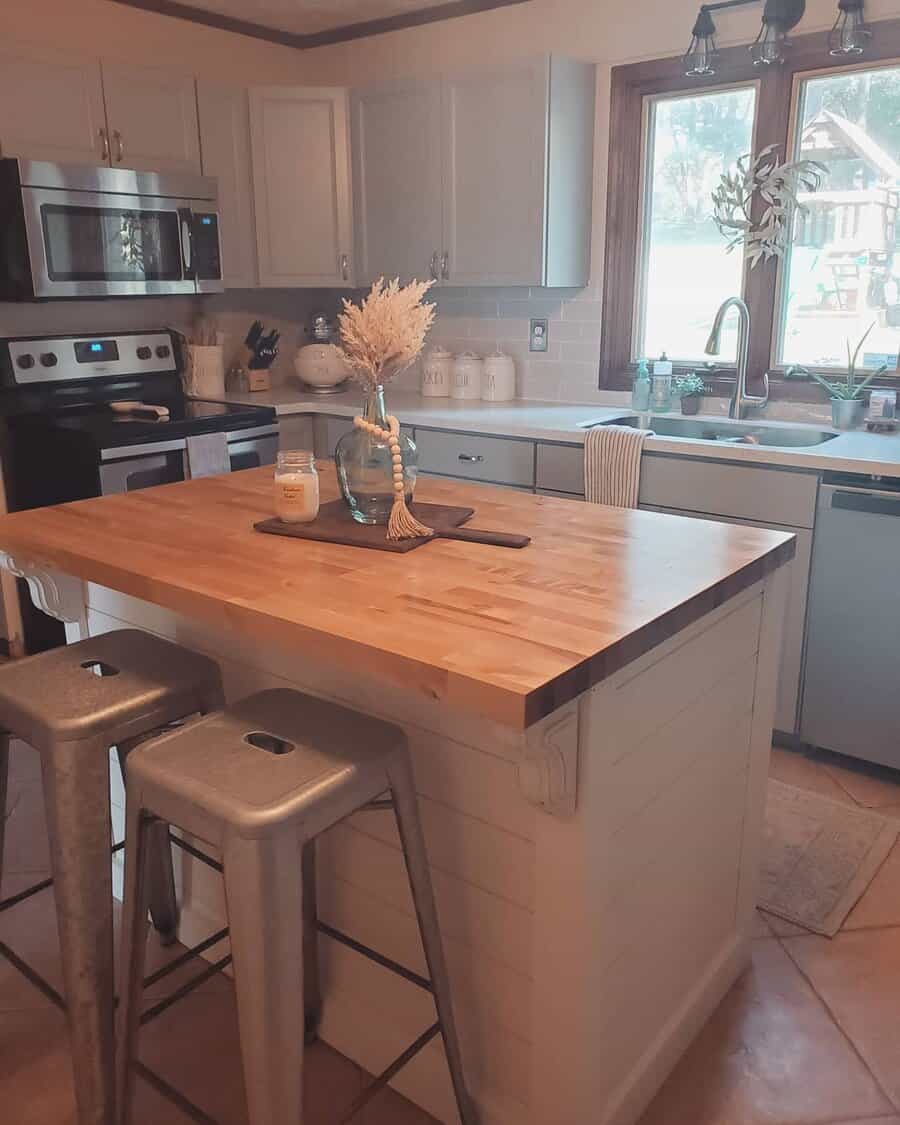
pixel 78 231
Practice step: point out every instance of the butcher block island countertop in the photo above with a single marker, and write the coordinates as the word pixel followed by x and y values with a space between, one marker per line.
pixel 589 721
pixel 510 635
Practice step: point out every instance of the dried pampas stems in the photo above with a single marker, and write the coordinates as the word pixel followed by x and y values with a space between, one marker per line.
pixel 402 523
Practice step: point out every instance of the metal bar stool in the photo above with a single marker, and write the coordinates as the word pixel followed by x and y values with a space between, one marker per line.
pixel 259 782
pixel 72 704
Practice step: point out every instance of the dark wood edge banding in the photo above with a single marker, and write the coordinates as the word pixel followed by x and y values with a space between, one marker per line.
pixel 539 704
pixel 453 9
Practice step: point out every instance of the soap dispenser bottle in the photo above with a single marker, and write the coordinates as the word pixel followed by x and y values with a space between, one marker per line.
pixel 661 385
pixel 640 388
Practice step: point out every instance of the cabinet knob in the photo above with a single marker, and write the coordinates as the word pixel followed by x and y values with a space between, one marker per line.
pixel 445 265
pixel 476 458
pixel 120 146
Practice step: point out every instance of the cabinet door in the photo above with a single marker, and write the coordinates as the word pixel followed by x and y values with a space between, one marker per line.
pixel 224 114
pixel 494 158
pixel 397 180
pixel 152 118
pixel 51 106
pixel 792 644
pixel 301 182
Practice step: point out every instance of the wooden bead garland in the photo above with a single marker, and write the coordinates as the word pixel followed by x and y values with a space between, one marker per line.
pixel 402 523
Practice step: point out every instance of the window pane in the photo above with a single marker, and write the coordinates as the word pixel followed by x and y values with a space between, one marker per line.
pixel 842 274
pixel 687 271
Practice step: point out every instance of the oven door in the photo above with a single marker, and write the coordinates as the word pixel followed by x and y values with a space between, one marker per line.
pixel 85 244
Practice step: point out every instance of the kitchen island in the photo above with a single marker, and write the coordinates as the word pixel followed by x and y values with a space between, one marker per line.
pixel 589 720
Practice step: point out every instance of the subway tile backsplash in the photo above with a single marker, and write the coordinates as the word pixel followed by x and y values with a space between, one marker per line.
pixel 482 320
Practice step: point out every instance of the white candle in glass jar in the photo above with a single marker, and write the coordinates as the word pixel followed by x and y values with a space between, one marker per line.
pixel 296 487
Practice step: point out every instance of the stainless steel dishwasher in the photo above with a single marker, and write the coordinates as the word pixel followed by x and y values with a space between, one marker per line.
pixel 852 679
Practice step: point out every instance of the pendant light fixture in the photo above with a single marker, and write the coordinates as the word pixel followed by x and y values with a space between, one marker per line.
pixel 779 16
pixel 700 57
pixel 850 35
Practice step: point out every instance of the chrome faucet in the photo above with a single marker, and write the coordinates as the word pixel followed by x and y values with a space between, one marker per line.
pixel 740 399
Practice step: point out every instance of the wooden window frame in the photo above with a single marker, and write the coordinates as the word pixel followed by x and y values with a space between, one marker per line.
pixel 630 86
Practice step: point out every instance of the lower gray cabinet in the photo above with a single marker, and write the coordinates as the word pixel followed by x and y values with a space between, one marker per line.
pixel 476 457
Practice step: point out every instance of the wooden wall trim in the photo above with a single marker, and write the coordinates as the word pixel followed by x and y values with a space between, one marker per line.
pixel 453 9
pixel 630 85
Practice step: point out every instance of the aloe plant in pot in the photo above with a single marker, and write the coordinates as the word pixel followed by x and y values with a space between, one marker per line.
pixel 847 405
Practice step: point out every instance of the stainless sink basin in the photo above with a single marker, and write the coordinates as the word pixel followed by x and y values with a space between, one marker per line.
pixel 739 433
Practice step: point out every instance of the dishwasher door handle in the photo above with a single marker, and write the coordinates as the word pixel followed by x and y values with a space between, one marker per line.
pixel 873 503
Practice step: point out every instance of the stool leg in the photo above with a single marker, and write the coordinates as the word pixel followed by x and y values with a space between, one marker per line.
pixel 4 786
pixel 133 947
pixel 410 828
pixel 76 799
pixel 312 994
pixel 160 874
pixel 264 894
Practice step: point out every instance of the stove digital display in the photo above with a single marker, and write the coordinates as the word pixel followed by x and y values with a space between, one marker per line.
pixel 96 351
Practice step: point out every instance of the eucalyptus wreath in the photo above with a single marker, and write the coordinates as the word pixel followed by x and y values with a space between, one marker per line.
pixel 777 186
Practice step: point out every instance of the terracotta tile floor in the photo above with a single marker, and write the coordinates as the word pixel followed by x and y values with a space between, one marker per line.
pixel 809 1036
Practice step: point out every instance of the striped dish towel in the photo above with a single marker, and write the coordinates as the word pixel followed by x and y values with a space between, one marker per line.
pixel 612 465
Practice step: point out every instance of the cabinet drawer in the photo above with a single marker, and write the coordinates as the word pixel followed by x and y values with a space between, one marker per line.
pixel 498 460
pixel 744 491
pixel 560 468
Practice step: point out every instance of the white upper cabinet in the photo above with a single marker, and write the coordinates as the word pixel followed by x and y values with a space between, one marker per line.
pixel 224 113
pixel 301 186
pixel 491 172
pixel 51 106
pixel 397 181
pixel 152 116
pixel 495 168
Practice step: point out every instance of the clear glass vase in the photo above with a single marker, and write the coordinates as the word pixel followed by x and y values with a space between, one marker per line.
pixel 365 470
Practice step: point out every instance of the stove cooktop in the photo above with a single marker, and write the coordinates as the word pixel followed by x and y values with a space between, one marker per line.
pixel 107 429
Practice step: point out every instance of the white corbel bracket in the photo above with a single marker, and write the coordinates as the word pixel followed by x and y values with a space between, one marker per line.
pixel 59 595
pixel 548 770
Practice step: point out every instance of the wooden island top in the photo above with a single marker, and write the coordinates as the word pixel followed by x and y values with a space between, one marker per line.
pixel 509 635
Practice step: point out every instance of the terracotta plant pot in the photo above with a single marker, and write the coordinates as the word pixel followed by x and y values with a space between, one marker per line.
pixel 690 404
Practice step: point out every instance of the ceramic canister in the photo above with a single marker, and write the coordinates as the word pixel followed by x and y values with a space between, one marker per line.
pixel 467 372
pixel 498 382
pixel 437 373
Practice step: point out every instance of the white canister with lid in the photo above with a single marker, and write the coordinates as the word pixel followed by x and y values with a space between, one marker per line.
pixel 437 373
pixel 498 381
pixel 467 373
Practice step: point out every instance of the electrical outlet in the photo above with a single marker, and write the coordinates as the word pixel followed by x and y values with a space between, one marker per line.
pixel 537 336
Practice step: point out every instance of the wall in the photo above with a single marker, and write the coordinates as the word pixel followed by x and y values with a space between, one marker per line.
pixel 605 31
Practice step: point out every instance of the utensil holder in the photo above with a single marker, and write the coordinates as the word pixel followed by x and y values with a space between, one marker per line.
pixel 204 374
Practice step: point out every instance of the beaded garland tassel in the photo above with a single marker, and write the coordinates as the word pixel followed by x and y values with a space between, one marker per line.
pixel 402 523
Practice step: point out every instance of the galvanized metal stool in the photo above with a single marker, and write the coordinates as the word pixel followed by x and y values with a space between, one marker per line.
pixel 72 704
pixel 258 782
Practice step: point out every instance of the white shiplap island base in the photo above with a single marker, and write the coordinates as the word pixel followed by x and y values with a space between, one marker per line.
pixel 595 866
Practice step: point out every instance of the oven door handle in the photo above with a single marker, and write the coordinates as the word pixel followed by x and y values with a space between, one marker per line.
pixel 186 225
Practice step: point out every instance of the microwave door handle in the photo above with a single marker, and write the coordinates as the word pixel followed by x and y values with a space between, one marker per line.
pixel 186 226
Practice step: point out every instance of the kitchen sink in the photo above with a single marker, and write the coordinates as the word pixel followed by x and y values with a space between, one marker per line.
pixel 737 433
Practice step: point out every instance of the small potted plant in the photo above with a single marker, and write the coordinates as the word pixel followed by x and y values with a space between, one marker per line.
pixel 690 389
pixel 847 405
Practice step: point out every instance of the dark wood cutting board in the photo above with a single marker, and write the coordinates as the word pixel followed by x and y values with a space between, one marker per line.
pixel 334 524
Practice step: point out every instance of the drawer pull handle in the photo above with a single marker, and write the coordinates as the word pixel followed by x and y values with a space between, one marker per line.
pixel 474 457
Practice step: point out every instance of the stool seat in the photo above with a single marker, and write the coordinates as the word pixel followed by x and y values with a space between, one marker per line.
pixel 118 686
pixel 276 756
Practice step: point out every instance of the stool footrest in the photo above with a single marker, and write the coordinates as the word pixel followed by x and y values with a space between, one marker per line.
pixel 188 987
pixel 195 852
pixel 374 955
pixel 175 1096
pixel 382 1080
pixel 183 958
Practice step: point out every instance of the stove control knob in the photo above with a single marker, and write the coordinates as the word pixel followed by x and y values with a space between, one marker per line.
pixel 25 361
pixel 144 352
pixel 163 350
pixel 48 359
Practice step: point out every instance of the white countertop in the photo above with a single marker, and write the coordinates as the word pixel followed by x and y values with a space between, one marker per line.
pixel 854 452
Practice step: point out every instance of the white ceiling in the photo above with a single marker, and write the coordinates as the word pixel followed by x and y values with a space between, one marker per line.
pixel 306 17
